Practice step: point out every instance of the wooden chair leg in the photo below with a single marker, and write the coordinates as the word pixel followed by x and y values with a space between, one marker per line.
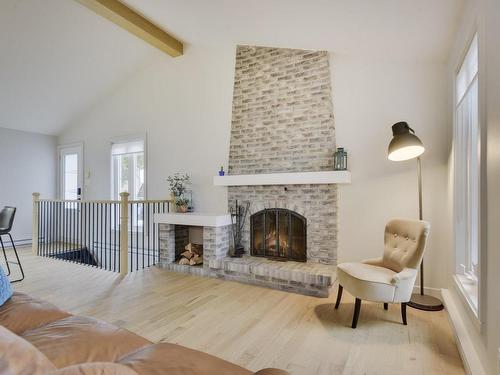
pixel 386 306
pixel 339 296
pixel 403 313
pixel 357 308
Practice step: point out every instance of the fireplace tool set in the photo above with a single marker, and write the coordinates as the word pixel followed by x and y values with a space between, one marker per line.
pixel 238 217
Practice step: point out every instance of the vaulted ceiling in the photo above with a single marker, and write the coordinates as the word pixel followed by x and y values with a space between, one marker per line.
pixel 58 58
pixel 390 29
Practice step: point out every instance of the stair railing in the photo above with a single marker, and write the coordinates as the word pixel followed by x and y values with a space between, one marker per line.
pixel 115 235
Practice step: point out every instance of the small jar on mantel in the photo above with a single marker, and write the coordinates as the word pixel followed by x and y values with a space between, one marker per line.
pixel 340 159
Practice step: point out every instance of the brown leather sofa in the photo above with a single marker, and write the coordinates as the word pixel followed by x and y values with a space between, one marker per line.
pixel 38 338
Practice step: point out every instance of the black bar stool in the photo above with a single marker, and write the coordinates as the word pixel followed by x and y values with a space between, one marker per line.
pixel 6 220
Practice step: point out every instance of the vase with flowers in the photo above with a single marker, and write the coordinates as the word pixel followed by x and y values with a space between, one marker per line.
pixel 178 184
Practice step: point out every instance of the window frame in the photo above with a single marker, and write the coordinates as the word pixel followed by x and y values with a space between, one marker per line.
pixel 476 313
pixel 125 139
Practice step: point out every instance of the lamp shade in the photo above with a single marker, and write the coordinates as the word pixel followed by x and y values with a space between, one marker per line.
pixel 405 144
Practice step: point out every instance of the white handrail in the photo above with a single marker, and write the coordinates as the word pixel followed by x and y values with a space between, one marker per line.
pixel 105 201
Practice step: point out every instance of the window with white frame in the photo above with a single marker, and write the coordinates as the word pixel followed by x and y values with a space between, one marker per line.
pixel 466 138
pixel 128 173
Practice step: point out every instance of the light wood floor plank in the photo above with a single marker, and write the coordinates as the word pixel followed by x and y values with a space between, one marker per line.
pixel 251 326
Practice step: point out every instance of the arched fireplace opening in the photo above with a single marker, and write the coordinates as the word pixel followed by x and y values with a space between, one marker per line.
pixel 278 233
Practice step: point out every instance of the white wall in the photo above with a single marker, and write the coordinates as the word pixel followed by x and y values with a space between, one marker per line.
pixel 28 165
pixel 484 16
pixel 184 105
pixel 369 97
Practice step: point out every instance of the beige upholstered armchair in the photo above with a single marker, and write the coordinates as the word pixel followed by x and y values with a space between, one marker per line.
pixel 389 279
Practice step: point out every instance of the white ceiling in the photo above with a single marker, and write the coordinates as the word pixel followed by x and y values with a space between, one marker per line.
pixel 58 58
pixel 386 29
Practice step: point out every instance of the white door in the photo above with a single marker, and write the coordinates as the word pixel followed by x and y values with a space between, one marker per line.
pixel 71 172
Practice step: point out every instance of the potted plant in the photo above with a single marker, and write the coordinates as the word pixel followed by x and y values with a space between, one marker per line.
pixel 178 183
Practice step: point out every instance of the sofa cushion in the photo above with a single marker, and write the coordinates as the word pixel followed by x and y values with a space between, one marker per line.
pixel 171 359
pixel 18 356
pixel 271 371
pixel 76 339
pixel 95 368
pixel 22 312
pixel 5 287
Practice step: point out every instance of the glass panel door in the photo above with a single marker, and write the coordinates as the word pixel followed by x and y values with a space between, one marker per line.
pixel 70 172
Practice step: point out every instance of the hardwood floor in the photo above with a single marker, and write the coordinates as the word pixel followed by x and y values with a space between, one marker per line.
pixel 251 326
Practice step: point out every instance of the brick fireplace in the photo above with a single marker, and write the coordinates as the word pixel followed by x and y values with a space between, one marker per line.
pixel 282 122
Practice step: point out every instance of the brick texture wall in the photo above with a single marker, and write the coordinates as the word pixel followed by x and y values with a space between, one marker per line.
pixel 282 111
pixel 283 122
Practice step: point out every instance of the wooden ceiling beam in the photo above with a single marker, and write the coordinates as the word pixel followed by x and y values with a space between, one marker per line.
pixel 120 14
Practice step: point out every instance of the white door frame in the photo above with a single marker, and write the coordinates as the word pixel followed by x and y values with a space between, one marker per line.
pixel 64 150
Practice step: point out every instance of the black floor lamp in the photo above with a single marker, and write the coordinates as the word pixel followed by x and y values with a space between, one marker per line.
pixel 405 145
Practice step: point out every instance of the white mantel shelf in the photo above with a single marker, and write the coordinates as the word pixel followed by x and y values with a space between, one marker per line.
pixel 298 178
pixel 194 219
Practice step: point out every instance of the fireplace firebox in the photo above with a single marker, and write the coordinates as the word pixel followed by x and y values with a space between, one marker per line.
pixel 278 233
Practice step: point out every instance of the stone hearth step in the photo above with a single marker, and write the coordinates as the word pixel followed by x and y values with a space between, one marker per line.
pixel 307 278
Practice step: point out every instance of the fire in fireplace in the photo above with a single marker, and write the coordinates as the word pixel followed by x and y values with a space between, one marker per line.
pixel 278 233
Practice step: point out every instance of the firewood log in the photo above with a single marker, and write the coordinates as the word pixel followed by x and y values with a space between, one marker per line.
pixel 184 261
pixel 195 260
pixel 188 254
pixel 194 248
pixel 198 249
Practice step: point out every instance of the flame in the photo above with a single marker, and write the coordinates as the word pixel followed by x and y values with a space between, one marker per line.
pixel 271 241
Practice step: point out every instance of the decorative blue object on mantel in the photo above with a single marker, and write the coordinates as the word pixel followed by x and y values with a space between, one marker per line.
pixel 5 287
pixel 221 172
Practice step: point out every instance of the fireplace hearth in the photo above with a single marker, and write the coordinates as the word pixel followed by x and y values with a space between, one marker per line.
pixel 278 234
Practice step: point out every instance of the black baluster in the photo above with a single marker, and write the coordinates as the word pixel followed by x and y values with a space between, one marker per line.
pixel 154 231
pixel 119 235
pixel 58 228
pixel 131 215
pixel 39 228
pixel 49 235
pixel 100 205
pixel 149 234
pixel 143 222
pixel 46 232
pixel 105 235
pixel 42 229
pixel 94 230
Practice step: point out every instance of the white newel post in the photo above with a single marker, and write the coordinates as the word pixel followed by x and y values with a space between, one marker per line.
pixel 34 230
pixel 124 233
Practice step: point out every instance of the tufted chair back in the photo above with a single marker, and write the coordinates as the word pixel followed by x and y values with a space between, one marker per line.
pixel 404 243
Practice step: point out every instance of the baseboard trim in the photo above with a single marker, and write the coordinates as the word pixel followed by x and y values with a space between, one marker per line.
pixel 19 243
pixel 470 357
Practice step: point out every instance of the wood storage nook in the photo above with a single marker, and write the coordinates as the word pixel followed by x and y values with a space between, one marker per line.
pixel 192 255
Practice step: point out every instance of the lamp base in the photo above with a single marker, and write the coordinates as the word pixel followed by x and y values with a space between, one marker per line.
pixel 425 302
